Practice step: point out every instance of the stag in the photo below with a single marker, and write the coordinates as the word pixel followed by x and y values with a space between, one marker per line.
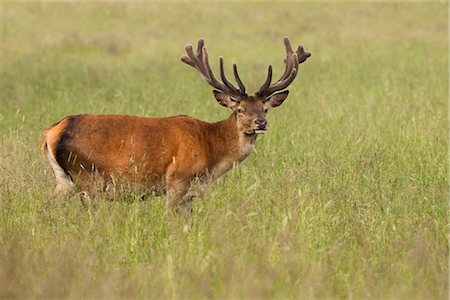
pixel 177 155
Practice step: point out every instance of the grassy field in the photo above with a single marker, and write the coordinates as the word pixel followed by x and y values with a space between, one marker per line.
pixel 345 197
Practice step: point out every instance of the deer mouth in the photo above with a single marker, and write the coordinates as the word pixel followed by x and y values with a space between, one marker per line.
pixel 256 131
pixel 262 130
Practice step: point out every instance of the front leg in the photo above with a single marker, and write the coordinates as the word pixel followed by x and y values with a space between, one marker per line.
pixel 199 185
pixel 177 190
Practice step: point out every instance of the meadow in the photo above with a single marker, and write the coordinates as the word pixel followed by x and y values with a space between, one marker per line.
pixel 346 196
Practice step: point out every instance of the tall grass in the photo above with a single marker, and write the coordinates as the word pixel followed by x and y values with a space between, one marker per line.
pixel 345 197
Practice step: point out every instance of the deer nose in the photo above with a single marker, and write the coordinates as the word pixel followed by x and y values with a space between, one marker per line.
pixel 261 123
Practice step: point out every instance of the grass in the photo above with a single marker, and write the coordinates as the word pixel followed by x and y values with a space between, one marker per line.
pixel 345 197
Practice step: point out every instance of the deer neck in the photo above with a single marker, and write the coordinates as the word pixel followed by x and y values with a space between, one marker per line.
pixel 229 144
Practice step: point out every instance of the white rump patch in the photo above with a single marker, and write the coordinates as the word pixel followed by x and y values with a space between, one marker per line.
pixel 64 184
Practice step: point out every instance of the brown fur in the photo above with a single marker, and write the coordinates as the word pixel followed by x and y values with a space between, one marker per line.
pixel 44 138
pixel 153 153
pixel 180 154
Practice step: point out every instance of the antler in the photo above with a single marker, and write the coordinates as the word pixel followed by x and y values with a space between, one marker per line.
pixel 200 62
pixel 292 60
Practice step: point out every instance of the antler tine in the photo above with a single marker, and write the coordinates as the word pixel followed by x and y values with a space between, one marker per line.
pixel 289 63
pixel 302 54
pixel 187 59
pixel 292 60
pixel 200 61
pixel 211 78
pixel 266 83
pixel 238 80
pixel 284 82
pixel 194 60
pixel 224 78
pixel 280 85
pixel 287 45
pixel 200 45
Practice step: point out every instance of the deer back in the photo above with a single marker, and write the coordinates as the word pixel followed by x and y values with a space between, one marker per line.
pixel 139 149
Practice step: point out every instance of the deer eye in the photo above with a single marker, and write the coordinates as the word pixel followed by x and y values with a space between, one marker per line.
pixel 240 110
pixel 266 110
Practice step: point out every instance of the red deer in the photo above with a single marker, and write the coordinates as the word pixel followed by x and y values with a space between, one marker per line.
pixel 170 154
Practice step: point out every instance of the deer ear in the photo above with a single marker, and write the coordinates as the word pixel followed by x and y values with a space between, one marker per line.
pixel 277 99
pixel 223 99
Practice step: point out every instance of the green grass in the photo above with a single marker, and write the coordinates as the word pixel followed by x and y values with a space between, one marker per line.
pixel 345 197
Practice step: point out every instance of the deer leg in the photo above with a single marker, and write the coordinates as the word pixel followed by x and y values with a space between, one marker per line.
pixel 199 186
pixel 176 193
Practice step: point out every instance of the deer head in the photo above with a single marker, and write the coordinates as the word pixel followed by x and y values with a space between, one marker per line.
pixel 250 110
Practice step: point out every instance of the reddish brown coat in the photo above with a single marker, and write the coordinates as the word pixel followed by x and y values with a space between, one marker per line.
pixel 179 155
